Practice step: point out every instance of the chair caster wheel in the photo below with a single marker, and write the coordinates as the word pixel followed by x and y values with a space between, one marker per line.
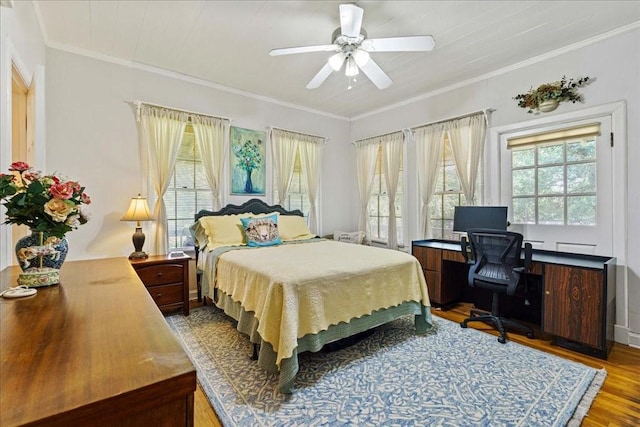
pixel 530 335
pixel 463 325
pixel 502 340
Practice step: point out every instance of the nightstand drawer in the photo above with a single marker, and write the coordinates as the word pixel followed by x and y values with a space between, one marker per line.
pixel 161 274
pixel 166 294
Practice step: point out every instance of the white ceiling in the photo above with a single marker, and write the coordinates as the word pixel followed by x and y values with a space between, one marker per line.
pixel 227 43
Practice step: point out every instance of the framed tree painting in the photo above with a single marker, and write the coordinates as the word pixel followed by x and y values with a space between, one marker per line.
pixel 248 171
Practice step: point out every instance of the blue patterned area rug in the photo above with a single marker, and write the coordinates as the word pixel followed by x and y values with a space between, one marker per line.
pixel 447 377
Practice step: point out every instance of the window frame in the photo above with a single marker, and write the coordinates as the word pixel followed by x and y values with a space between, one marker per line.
pixel 400 202
pixel 564 194
pixel 195 190
pixel 447 233
pixel 298 175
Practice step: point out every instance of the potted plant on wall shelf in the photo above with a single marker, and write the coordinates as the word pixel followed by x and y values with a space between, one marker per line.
pixel 547 96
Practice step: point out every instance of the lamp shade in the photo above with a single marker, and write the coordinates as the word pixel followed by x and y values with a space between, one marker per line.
pixel 138 210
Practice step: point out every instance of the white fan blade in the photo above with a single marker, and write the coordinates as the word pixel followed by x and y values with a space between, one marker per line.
pixel 350 20
pixel 304 49
pixel 376 75
pixel 320 77
pixel 399 44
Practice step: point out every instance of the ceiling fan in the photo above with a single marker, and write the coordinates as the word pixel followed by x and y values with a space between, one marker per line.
pixel 353 47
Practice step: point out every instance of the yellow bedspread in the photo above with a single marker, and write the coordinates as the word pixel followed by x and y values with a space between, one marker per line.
pixel 304 288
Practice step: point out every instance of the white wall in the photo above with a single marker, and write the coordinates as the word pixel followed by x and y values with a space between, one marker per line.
pixel 91 132
pixel 92 137
pixel 21 43
pixel 615 64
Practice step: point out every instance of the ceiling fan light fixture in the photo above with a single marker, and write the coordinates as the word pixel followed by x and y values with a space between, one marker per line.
pixel 361 57
pixel 351 46
pixel 351 68
pixel 336 61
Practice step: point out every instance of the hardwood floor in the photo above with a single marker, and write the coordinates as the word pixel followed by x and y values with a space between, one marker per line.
pixel 617 403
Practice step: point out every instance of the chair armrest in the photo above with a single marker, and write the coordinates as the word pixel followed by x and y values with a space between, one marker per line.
pixel 464 245
pixel 528 250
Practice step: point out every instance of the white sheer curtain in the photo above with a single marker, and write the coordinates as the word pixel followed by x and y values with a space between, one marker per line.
pixel 162 132
pixel 311 149
pixel 429 143
pixel 392 151
pixel 284 145
pixel 366 155
pixel 212 137
pixel 467 142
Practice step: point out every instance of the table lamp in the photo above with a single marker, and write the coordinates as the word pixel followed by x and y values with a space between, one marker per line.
pixel 138 211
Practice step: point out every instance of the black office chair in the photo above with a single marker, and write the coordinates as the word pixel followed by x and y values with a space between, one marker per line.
pixel 498 267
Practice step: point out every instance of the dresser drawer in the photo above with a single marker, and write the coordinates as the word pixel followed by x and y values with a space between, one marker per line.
pixel 166 294
pixel 160 274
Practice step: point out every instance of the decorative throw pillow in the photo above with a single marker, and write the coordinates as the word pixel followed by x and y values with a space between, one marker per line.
pixel 349 237
pixel 293 227
pixel 261 231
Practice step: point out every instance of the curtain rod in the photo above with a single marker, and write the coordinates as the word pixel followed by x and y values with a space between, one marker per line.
pixel 484 111
pixel 380 136
pixel 138 104
pixel 299 133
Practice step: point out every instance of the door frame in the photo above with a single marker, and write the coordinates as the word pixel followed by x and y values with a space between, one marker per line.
pixel 618 113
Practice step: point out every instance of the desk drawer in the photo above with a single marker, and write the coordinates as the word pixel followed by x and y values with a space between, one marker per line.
pixel 166 294
pixel 161 274
pixel 453 256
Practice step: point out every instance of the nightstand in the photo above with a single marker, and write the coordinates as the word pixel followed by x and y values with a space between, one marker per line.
pixel 166 279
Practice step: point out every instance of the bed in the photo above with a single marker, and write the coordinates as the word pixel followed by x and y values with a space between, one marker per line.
pixel 301 292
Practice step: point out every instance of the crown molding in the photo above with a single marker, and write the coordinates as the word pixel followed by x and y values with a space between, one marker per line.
pixel 508 69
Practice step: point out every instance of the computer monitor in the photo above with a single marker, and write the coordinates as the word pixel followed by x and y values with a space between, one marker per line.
pixel 466 217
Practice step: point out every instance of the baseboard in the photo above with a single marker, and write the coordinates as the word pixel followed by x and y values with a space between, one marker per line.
pixel 622 335
pixel 634 340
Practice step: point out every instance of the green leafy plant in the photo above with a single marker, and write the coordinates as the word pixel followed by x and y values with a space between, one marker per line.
pixel 42 202
pixel 562 90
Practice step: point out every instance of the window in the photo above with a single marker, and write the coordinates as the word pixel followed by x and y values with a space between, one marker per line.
pixel 379 205
pixel 448 194
pixel 188 192
pixel 297 197
pixel 554 183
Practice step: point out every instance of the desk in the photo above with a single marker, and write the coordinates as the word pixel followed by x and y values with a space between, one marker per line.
pixel 93 350
pixel 577 291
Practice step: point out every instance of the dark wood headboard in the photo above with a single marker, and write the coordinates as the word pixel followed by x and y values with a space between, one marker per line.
pixel 255 206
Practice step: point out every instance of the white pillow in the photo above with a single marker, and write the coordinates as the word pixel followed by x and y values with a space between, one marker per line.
pixel 349 236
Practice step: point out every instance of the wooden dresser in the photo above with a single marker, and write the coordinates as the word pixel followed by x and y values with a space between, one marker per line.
pixel 93 350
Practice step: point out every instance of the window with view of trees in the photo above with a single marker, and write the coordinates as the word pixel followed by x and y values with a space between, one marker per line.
pixel 297 197
pixel 188 192
pixel 554 183
pixel 379 205
pixel 448 194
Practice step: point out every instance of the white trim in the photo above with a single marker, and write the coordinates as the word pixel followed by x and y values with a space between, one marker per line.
pixel 5 141
pixel 186 78
pixel 504 70
pixel 38 82
pixel 634 340
pixel 618 113
pixel 11 57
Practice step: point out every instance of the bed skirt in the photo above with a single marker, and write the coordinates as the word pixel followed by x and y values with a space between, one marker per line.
pixel 248 324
